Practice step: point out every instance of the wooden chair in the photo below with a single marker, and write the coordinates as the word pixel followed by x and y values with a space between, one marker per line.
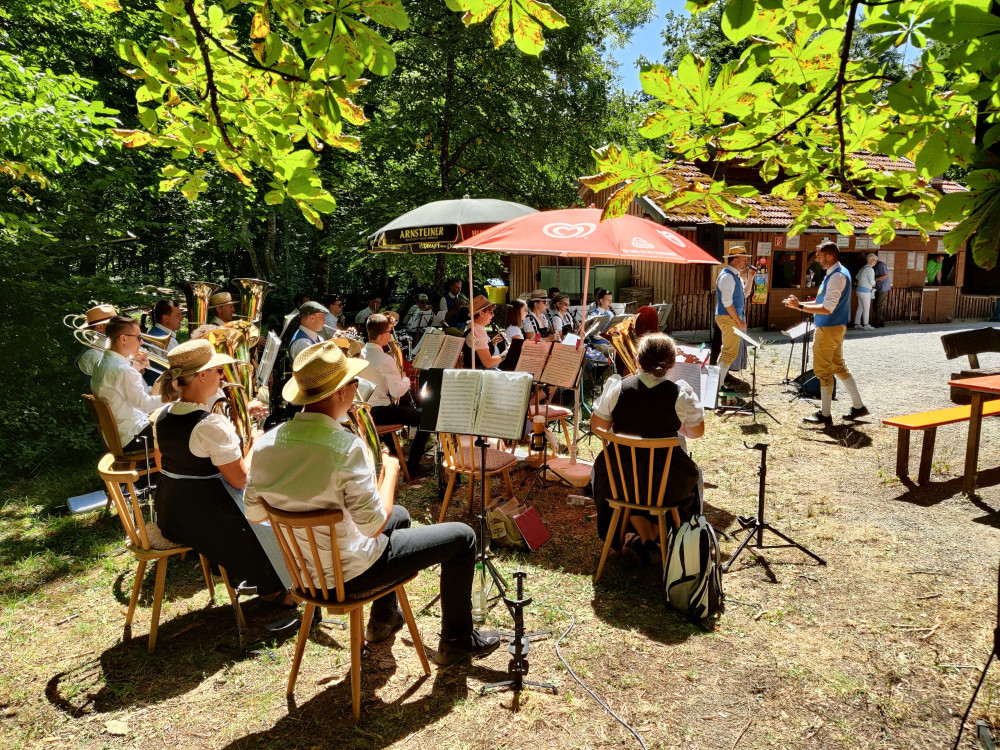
pixel 311 587
pixel 147 543
pixel 629 495
pixel 104 420
pixel 394 430
pixel 461 456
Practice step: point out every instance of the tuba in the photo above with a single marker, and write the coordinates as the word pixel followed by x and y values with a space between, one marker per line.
pixel 236 404
pixel 197 294
pixel 626 345
pixel 252 293
pixel 362 425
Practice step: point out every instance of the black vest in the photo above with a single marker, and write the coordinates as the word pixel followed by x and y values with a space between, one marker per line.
pixel 173 435
pixel 648 412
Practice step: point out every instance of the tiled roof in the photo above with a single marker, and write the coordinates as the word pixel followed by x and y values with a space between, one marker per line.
pixel 770 211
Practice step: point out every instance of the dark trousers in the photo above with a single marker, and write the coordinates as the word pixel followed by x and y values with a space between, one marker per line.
pixel 411 550
pixel 399 414
pixel 878 314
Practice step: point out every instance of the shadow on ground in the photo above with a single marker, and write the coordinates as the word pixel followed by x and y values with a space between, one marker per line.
pixel 933 493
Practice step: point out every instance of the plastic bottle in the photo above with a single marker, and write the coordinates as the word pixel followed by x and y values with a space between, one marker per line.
pixel 479 595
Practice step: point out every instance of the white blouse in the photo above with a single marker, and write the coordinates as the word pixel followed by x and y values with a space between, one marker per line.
pixel 514 332
pixel 688 410
pixel 213 437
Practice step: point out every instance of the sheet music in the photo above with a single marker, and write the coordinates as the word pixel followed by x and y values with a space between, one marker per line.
pixel 570 339
pixel 563 366
pixel 533 356
pixel 750 342
pixel 503 402
pixel 797 331
pixel 459 395
pixel 702 355
pixel 449 352
pixel 704 381
pixel 430 345
pixel 267 359
pixel 709 397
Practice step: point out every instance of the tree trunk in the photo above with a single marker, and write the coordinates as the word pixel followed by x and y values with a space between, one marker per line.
pixel 245 240
pixel 271 244
pixel 441 266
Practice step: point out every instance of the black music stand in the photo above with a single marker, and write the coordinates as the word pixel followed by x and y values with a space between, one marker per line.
pixel 801 332
pixel 756 526
pixel 752 406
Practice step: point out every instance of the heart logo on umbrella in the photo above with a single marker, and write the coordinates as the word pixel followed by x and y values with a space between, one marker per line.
pixel 642 244
pixel 565 231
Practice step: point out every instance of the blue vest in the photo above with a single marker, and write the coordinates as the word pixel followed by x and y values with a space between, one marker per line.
pixel 739 298
pixel 842 313
pixel 300 334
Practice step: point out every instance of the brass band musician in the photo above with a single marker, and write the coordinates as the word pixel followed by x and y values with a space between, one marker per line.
pixel 97 319
pixel 167 318
pixel 225 308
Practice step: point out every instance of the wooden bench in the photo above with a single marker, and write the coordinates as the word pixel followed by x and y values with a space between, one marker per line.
pixel 928 422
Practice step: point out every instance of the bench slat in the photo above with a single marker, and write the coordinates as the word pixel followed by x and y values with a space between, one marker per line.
pixel 925 419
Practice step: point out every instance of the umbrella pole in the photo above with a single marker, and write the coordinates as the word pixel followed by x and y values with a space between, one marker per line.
pixel 583 323
pixel 472 310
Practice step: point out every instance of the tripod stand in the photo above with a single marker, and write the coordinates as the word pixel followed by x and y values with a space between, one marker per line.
pixel 756 526
pixel 753 405
pixel 520 644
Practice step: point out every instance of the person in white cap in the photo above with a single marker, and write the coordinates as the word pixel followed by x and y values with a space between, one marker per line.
pixel 420 315
pixel 730 307
pixel 225 308
pixel 313 462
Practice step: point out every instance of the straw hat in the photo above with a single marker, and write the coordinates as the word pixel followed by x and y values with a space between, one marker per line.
pixel 220 299
pixel 350 347
pixel 100 314
pixel 481 304
pixel 538 294
pixel 738 251
pixel 194 356
pixel 318 371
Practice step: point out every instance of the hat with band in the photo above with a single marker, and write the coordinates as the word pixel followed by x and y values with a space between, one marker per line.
pixel 100 314
pixel 220 299
pixel 318 371
pixel 192 357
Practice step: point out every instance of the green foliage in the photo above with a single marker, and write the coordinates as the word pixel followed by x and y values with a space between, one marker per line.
pixel 816 81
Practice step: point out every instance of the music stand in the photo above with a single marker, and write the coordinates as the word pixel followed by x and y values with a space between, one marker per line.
pixel 753 405
pixel 801 332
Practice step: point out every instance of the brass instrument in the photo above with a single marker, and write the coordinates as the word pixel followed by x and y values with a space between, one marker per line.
pixel 75 321
pixel 394 350
pixel 197 294
pixel 626 344
pixel 362 425
pixel 349 341
pixel 252 293
pixel 237 386
pixel 97 340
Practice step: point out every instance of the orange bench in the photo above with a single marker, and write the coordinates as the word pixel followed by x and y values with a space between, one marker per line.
pixel 928 422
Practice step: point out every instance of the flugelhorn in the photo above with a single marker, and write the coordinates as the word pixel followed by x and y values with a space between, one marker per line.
pixel 252 293
pixel 197 294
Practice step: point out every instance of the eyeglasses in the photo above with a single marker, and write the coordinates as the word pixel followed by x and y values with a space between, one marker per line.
pixel 131 335
pixel 355 382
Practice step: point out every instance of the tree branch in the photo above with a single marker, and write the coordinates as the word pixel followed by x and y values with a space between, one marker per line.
pixel 787 128
pixel 248 62
pixel 213 93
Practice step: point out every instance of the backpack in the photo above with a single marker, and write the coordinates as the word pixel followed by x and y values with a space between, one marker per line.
pixel 693 576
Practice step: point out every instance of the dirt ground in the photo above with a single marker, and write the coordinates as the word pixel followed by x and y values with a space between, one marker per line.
pixel 880 648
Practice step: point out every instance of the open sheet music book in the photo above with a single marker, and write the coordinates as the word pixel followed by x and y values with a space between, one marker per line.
pixel 438 351
pixel 553 364
pixel 703 379
pixel 488 403
pixel 267 359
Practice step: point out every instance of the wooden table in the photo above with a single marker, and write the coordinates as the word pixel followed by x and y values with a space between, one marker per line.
pixel 978 387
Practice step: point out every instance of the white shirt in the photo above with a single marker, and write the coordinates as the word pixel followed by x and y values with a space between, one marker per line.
pixel 866 278
pixel 158 330
pixel 88 360
pixel 834 287
pixel 513 332
pixel 726 286
pixel 689 412
pixel 217 321
pixel 297 346
pixel 121 385
pixel 214 437
pixel 558 320
pixel 536 324
pixel 363 316
pixel 332 321
pixel 314 463
pixel 417 318
pixel 384 374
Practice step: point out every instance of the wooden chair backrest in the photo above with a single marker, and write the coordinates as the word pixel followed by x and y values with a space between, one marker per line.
pixel 285 525
pixel 460 452
pixel 129 511
pixel 635 446
pixel 104 420
pixel 971 343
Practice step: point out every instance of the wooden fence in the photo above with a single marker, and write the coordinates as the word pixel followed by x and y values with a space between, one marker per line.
pixel 695 312
pixel 975 307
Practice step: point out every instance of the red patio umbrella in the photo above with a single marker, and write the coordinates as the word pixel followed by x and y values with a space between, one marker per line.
pixel 580 233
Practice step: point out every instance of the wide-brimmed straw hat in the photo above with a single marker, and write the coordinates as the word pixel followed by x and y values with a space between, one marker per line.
pixel 538 294
pixel 318 371
pixel 194 356
pixel 100 314
pixel 481 304
pixel 738 251
pixel 220 299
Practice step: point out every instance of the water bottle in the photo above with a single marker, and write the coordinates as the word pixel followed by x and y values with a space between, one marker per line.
pixel 479 595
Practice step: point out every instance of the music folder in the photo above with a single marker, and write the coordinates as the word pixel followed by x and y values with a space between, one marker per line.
pixel 488 403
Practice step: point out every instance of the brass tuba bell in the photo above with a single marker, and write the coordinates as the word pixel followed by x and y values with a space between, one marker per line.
pixel 626 344
pixel 197 294
pixel 252 293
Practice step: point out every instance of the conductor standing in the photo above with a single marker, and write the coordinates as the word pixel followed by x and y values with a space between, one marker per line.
pixel 832 309
pixel 730 307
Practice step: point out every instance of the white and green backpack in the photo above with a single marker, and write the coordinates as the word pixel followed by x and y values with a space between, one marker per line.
pixel 693 576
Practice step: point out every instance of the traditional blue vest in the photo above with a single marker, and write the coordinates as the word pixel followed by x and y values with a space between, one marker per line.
pixel 842 313
pixel 739 298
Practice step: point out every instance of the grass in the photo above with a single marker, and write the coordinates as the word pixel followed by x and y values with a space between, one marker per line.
pixel 803 656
